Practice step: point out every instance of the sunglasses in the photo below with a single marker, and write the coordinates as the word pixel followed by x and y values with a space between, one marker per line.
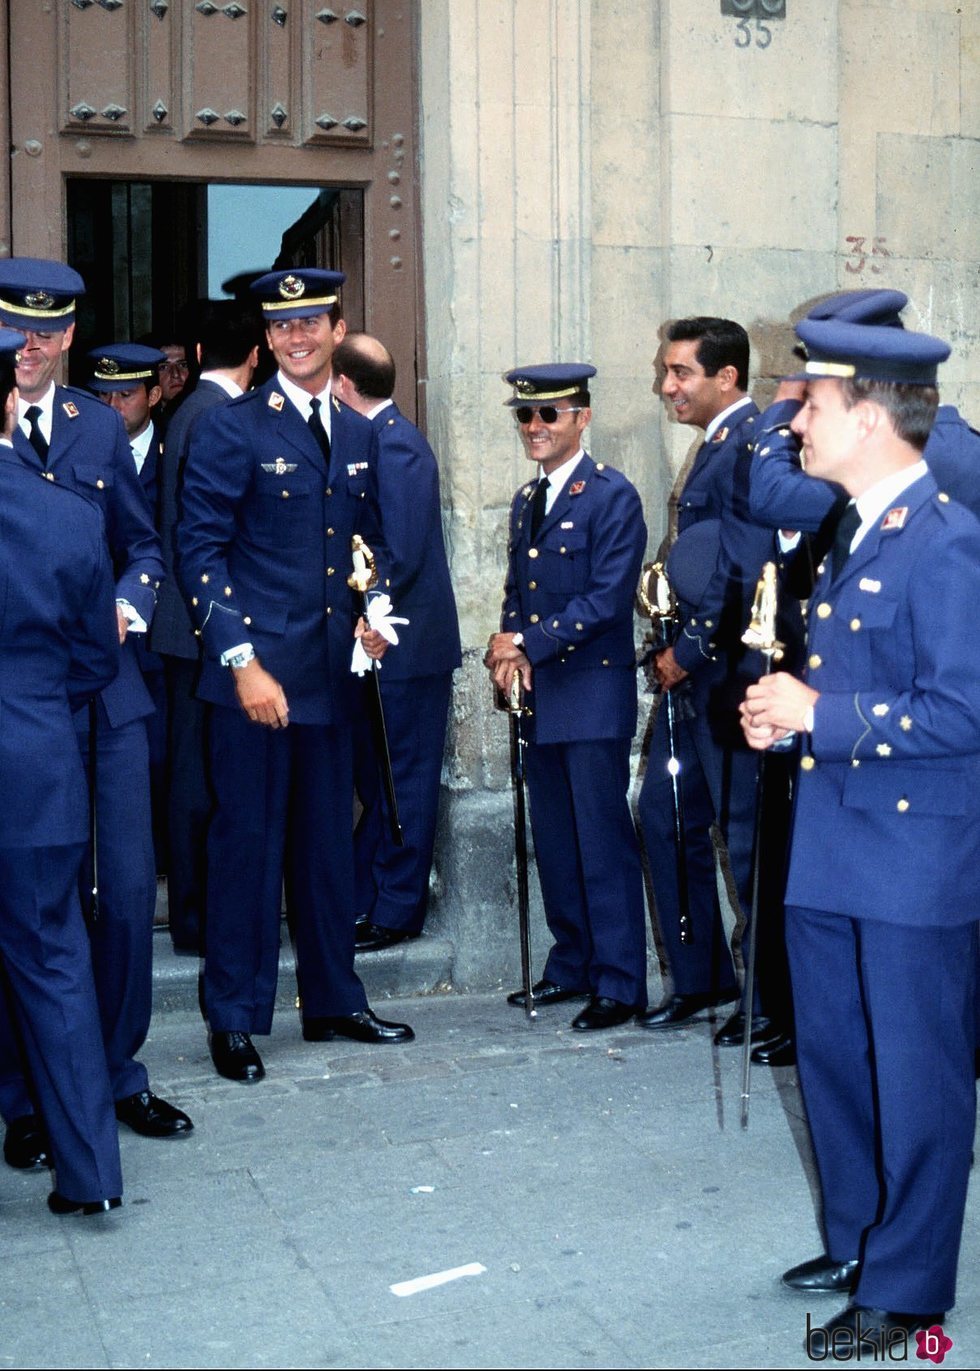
pixel 548 414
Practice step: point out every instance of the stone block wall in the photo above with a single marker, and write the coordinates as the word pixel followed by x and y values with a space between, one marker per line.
pixel 593 168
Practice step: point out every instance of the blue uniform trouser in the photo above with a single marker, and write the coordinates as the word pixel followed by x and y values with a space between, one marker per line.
pixel 884 1026
pixel 392 883
pixel 719 785
pixel 44 952
pixel 589 867
pixel 121 936
pixel 188 803
pixel 284 809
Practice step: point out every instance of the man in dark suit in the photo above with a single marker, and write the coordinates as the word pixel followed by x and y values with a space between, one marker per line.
pixel 58 647
pixel 70 437
pixel 577 538
pixel 392 882
pixel 883 890
pixel 125 378
pixel 706 371
pixel 276 484
pixel 229 337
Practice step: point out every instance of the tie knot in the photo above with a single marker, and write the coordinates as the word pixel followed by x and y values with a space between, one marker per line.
pixel 314 407
pixel 33 413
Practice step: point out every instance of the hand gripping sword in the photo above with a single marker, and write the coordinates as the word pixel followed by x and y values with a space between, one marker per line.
pixel 760 635
pixel 363 578
pixel 513 705
pixel 656 600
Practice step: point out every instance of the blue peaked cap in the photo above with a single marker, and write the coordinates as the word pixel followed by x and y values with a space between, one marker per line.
pixel 540 385
pixel 38 294
pixel 299 293
pixel 124 366
pixel 10 343
pixel 859 335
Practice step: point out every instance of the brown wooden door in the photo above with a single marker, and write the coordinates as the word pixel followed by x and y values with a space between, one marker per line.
pixel 163 99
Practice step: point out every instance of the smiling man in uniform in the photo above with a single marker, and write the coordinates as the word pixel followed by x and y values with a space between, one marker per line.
pixel 276 483
pixel 577 539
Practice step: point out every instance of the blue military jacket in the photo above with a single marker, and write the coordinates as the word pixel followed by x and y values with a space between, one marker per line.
pixel 59 646
pixel 264 546
pixel 887 824
pixel 411 520
pixel 717 487
pixel 89 453
pixel 173 632
pixel 571 594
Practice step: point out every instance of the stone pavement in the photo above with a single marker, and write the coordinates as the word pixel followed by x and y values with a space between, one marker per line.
pixel 617 1213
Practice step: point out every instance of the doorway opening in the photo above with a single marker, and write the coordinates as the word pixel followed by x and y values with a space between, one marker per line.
pixel 148 251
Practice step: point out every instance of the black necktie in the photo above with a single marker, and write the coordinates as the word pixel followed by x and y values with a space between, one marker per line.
pixel 36 438
pixel 538 501
pixel 318 431
pixel 850 521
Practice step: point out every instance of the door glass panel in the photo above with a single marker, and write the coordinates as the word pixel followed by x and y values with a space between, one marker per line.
pixel 148 250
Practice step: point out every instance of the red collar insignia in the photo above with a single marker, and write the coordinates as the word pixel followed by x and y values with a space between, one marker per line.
pixel 71 409
pixel 576 488
pixel 895 518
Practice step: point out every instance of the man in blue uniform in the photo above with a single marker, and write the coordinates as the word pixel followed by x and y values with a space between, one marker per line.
pixel 577 539
pixel 229 335
pixel 276 484
pixel 883 889
pixel 125 377
pixel 706 371
pixel 393 882
pixel 70 437
pixel 58 647
pixel 781 496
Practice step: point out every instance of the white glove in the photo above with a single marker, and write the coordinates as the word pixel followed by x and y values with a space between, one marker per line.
pixel 380 617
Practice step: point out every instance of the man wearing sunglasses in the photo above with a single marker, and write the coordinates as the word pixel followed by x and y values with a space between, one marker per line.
pixel 577 539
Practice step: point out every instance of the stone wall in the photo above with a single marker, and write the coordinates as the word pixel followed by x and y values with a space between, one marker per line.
pixel 590 170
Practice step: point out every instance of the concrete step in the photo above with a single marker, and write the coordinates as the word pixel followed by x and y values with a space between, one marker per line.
pixel 421 966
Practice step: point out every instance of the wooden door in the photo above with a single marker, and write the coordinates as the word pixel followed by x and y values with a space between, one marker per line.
pixel 142 93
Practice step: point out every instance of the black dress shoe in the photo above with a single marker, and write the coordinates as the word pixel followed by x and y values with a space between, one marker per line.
pixel 780 1051
pixel 25 1144
pixel 151 1117
pixel 860 1330
pixel 58 1204
pixel 234 1057
pixel 822 1276
pixel 732 1031
pixel 677 1009
pixel 186 949
pixel 545 992
pixel 602 1012
pixel 369 937
pixel 363 1027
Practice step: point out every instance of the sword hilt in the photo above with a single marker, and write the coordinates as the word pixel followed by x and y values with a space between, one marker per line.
pixel 364 576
